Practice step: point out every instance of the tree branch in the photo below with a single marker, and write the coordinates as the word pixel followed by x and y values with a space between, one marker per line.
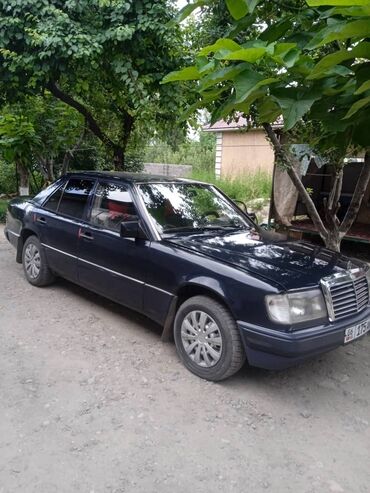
pixel 70 152
pixel 357 197
pixel 289 161
pixel 89 118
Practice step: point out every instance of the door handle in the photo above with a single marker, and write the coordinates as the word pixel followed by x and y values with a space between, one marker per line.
pixel 86 235
pixel 41 220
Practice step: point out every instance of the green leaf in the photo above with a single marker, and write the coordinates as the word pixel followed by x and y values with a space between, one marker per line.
pixel 223 110
pixel 294 104
pixel 222 44
pixel 237 8
pixel 350 11
pixel 240 8
pixel 225 73
pixel 357 106
pixel 252 4
pixel 363 88
pixel 337 3
pixel 286 54
pixel 248 82
pixel 276 31
pixel 188 9
pixel 187 73
pixel 268 111
pixel 360 51
pixel 250 55
pixel 347 30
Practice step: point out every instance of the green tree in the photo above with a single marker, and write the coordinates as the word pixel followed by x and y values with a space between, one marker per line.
pixel 18 141
pixel 103 58
pixel 309 65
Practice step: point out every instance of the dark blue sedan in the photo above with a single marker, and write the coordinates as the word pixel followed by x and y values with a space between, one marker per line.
pixel 186 256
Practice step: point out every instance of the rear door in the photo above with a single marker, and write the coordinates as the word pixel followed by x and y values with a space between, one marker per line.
pixel 59 222
pixel 109 264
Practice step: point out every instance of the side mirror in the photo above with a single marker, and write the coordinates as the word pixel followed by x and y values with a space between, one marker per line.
pixel 132 229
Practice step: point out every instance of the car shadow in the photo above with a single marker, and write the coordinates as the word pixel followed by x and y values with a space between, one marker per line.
pixel 310 383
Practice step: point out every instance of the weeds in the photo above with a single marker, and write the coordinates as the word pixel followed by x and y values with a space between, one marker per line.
pixel 245 187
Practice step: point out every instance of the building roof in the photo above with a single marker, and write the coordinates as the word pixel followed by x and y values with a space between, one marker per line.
pixel 241 123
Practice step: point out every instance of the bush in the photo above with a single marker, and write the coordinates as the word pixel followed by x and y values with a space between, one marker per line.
pixel 8 181
pixel 244 187
pixel 3 209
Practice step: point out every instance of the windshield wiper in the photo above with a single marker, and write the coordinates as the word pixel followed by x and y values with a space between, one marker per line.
pixel 202 229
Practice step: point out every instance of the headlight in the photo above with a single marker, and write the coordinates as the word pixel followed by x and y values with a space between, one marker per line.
pixel 293 308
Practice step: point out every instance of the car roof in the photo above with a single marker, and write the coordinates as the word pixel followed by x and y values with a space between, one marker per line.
pixel 132 177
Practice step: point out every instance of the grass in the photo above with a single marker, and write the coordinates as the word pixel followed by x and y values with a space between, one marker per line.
pixel 3 208
pixel 246 187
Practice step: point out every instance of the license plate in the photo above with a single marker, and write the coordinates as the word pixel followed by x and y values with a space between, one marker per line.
pixel 357 331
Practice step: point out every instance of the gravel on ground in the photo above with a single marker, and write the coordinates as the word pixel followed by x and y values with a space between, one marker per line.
pixel 91 400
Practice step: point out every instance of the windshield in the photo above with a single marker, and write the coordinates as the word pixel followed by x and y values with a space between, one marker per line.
pixel 182 207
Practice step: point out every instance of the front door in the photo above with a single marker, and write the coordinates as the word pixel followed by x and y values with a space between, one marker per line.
pixel 109 264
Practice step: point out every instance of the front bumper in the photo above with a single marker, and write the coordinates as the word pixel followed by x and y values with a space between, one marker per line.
pixel 276 350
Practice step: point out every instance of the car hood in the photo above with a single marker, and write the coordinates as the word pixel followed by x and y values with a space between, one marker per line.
pixel 292 265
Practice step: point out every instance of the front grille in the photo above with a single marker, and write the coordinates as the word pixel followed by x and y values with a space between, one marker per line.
pixel 345 293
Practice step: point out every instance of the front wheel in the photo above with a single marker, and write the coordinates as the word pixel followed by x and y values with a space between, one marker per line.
pixel 34 263
pixel 207 339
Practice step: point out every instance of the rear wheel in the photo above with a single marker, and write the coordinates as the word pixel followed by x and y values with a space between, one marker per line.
pixel 207 339
pixel 34 263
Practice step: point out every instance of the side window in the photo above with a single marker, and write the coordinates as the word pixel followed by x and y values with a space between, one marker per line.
pixel 112 205
pixel 52 203
pixel 74 197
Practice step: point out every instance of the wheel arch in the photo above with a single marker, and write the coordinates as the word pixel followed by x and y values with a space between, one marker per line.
pixel 209 287
pixel 25 233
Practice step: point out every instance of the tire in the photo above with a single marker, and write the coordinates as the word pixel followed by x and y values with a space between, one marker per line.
pixel 201 322
pixel 34 263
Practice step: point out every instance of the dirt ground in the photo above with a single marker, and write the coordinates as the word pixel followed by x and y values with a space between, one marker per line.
pixel 92 401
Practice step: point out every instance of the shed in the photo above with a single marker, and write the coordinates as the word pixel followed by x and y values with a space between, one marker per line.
pixel 241 149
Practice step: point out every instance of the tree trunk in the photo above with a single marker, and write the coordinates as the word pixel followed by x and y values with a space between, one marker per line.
pixel 24 180
pixel 333 241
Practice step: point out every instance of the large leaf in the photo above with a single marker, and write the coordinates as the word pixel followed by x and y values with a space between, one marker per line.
pixel 349 30
pixel 286 54
pixel 237 8
pixel 359 11
pixel 252 4
pixel 222 45
pixel 188 9
pixel 225 73
pixel 276 31
pixel 337 3
pixel 187 73
pixel 250 55
pixel 268 111
pixel 364 87
pixel 294 104
pixel 357 106
pixel 339 30
pixel 248 82
pixel 360 51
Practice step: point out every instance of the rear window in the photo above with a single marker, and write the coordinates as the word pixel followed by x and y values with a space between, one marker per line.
pixel 75 197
